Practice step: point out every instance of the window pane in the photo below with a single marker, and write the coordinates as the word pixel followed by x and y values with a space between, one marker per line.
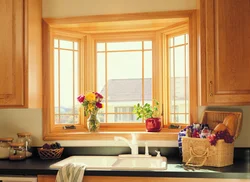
pixel 75 45
pixel 56 82
pixel 148 76
pixel 76 119
pixel 76 81
pixel 171 40
pixel 147 44
pixel 178 118
pixel 100 47
pixel 57 120
pixel 112 46
pixel 179 40
pixel 101 73
pixel 124 85
pixel 121 118
pixel 101 80
pixel 66 84
pixel 66 119
pixel 102 116
pixel 179 61
pixel 171 59
pixel 187 38
pixel 130 62
pixel 187 119
pixel 66 81
pixel 55 43
pixel 179 81
pixel 187 61
pixel 66 44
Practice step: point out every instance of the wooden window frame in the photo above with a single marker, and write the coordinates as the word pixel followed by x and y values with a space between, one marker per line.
pixel 169 36
pixel 53 28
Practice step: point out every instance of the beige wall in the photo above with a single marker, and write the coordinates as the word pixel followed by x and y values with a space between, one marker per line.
pixel 66 8
pixel 13 121
pixel 18 120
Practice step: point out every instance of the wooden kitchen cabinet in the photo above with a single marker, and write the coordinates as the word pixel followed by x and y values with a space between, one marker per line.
pixel 224 54
pixel 52 178
pixel 20 53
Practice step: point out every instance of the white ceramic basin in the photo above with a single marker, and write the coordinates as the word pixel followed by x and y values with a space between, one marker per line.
pixel 133 163
pixel 91 162
pixel 115 162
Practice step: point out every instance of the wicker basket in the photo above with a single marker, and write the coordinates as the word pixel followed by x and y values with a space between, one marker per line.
pixel 199 151
pixel 50 153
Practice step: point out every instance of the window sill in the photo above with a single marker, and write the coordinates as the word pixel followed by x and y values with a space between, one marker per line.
pixel 164 134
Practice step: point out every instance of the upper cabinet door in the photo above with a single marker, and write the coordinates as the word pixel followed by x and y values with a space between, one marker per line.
pixel 224 35
pixel 12 52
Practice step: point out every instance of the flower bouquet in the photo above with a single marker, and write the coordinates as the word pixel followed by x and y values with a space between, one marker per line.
pixel 91 103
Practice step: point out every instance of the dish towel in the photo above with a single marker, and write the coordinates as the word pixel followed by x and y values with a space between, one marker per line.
pixel 70 173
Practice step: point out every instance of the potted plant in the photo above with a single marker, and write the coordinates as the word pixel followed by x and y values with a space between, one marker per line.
pixel 151 115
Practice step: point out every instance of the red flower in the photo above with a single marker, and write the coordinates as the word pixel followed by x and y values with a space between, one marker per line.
pixel 99 105
pixel 98 95
pixel 81 98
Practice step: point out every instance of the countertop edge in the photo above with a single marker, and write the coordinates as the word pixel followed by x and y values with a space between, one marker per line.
pixel 159 174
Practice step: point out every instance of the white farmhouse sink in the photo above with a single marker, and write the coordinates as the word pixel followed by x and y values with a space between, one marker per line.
pixel 133 163
pixel 115 162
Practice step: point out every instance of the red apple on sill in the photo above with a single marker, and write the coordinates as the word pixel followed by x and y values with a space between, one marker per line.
pixel 153 124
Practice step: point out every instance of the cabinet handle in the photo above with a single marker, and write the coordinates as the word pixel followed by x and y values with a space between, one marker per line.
pixel 210 89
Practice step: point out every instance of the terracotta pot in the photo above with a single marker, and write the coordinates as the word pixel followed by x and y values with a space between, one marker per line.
pixel 153 124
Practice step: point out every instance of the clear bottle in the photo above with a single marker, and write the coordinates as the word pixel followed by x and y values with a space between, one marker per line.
pixel 5 147
pixel 25 138
pixel 17 151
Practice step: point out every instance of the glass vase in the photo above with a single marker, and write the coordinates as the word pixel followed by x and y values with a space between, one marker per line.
pixel 93 123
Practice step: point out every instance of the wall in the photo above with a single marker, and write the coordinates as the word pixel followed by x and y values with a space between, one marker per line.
pixel 13 121
pixel 66 8
pixel 18 120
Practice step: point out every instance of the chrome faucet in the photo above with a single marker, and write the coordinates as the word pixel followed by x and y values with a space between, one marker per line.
pixel 133 144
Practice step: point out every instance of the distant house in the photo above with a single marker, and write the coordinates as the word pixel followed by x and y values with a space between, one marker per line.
pixel 123 94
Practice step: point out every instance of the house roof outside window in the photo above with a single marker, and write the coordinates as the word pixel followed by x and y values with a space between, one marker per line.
pixel 120 90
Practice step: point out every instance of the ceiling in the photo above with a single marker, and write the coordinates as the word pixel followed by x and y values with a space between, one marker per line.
pixel 121 26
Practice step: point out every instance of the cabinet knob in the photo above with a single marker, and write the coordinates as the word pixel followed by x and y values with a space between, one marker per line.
pixel 211 89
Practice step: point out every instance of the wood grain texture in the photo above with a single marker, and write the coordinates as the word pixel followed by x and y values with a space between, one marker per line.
pixel 46 81
pixel 12 53
pixel 73 21
pixel 20 52
pixel 54 28
pixel 193 97
pixel 33 70
pixel 51 178
pixel 225 57
pixel 74 135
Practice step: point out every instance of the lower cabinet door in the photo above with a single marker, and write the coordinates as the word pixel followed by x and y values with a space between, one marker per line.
pixel 17 179
pixel 52 178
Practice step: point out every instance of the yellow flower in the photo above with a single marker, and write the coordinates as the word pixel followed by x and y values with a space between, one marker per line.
pixel 90 97
pixel 90 107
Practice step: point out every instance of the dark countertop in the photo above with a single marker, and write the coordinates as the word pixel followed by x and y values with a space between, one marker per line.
pixel 34 166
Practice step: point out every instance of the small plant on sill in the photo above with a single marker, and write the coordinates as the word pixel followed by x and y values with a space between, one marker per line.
pixel 151 114
pixel 147 111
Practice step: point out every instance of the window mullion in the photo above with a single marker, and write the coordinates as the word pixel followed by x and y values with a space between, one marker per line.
pixel 174 75
pixel 143 87
pixel 59 60
pixel 185 90
pixel 73 52
pixel 106 83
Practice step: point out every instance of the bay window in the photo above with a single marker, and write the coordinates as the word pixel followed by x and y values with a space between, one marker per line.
pixel 155 60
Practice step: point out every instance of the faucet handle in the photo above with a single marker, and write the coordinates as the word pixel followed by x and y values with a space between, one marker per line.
pixel 134 140
pixel 158 153
pixel 146 148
